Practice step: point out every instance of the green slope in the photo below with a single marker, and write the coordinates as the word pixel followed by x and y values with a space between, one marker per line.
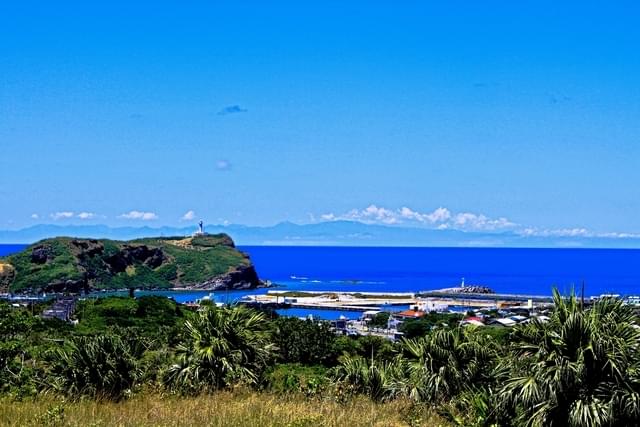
pixel 65 263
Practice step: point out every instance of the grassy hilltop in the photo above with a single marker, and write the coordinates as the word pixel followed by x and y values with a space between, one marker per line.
pixel 65 263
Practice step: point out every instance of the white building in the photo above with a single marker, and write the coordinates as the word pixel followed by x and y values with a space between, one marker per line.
pixel 430 305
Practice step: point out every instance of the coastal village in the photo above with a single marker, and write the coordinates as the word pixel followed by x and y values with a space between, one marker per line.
pixel 371 313
pixel 477 306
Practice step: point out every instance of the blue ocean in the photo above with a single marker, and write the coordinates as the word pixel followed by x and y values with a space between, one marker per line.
pixel 378 269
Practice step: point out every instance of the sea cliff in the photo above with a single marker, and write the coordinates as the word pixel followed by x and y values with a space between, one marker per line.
pixel 64 264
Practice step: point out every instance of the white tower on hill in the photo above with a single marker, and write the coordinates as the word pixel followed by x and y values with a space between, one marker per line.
pixel 200 231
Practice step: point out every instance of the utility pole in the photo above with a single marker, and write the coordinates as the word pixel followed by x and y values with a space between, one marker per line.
pixel 372 353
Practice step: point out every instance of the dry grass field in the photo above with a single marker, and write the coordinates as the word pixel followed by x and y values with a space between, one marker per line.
pixel 221 409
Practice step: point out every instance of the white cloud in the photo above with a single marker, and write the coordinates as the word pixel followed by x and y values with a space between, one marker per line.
pixel 35 216
pixel 473 221
pixel 620 235
pixel 188 216
pixel 144 216
pixel 441 218
pixel 410 214
pixel 375 214
pixel 439 215
pixel 575 232
pixel 61 215
pixel 571 232
pixel 223 165
pixel 561 232
pixel 86 215
pixel 370 215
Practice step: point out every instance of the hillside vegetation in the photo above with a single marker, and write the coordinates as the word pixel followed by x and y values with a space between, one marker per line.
pixel 71 264
pixel 151 361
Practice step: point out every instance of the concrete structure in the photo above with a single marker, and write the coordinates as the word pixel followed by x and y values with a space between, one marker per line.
pixel 506 322
pixel 62 309
pixel 430 305
pixel 369 314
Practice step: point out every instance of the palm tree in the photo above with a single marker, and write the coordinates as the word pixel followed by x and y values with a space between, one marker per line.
pixel 446 362
pixel 222 346
pixel 437 366
pixel 578 369
pixel 103 366
pixel 381 381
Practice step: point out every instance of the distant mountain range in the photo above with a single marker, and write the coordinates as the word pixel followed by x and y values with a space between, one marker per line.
pixel 332 233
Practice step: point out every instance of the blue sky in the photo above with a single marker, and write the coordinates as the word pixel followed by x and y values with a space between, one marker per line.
pixel 507 115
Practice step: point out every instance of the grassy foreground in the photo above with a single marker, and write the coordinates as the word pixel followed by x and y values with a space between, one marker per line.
pixel 220 409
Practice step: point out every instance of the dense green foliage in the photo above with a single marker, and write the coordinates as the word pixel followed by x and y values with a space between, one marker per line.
pixel 158 319
pixel 206 261
pixel 380 320
pixel 103 366
pixel 580 368
pixel 304 341
pixel 222 346
pixel 295 378
pixel 62 265
pixel 413 328
pixel 54 264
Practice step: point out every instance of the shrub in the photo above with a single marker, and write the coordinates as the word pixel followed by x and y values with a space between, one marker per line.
pixel 101 366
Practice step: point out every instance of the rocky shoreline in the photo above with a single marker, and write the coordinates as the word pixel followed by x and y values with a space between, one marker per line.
pixel 242 277
pixel 467 289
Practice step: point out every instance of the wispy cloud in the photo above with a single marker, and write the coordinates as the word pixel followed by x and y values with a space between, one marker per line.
pixel 86 215
pixel 473 221
pixel 232 109
pixel 188 216
pixel 575 232
pixel 437 216
pixel 56 216
pixel 61 215
pixel 370 214
pixel 35 216
pixel 441 218
pixel 223 165
pixel 144 216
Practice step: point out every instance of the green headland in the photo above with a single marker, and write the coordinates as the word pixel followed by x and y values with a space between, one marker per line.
pixel 70 264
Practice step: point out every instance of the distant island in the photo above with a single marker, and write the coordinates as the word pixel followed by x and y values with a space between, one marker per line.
pixel 65 264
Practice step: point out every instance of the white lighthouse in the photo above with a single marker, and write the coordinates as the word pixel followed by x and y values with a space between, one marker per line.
pixel 200 231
